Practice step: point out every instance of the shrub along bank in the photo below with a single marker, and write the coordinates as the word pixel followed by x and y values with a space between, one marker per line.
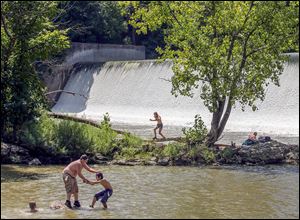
pixel 56 141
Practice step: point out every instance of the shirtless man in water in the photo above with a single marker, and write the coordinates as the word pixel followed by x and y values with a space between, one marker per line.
pixel 158 126
pixel 69 178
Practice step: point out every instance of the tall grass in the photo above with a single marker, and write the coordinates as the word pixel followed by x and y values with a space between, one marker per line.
pixel 69 137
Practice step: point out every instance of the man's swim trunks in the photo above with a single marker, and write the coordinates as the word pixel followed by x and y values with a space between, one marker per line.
pixel 159 126
pixel 70 183
pixel 105 194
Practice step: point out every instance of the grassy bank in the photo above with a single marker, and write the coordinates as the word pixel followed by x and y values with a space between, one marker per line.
pixel 60 137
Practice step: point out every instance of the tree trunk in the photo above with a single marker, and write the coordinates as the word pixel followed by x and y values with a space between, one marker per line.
pixel 218 123
pixel 133 40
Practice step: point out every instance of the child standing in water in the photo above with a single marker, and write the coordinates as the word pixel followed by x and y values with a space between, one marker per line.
pixel 158 126
pixel 104 194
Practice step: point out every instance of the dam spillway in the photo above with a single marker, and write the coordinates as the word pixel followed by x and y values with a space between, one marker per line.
pixel 130 91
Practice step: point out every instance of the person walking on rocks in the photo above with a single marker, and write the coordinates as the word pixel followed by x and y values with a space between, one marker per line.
pixel 158 126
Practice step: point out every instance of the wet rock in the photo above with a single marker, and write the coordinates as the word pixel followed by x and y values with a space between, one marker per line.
pixel 125 162
pixel 14 154
pixel 272 152
pixel 183 160
pixel 101 157
pixel 5 150
pixel 163 161
pixel 150 163
pixel 35 162
pixel 154 159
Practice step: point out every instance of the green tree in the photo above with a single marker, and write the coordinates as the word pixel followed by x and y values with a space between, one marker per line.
pixel 234 48
pixel 93 21
pixel 27 34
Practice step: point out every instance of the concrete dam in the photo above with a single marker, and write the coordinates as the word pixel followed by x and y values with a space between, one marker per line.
pixel 130 91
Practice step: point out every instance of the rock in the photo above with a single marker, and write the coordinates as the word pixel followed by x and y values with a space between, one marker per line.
pixel 14 154
pixel 159 144
pixel 5 150
pixel 101 157
pixel 125 162
pixel 35 162
pixel 163 161
pixel 272 152
pixel 153 159
pixel 182 161
pixel 150 163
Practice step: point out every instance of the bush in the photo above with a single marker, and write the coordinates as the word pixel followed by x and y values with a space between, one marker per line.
pixel 172 150
pixel 74 138
pixel 227 154
pixel 130 140
pixel 194 152
pixel 69 137
pixel 39 132
pixel 197 133
pixel 207 154
pixel 130 146
pixel 105 139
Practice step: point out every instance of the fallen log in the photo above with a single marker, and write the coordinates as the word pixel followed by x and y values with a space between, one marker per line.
pixel 81 120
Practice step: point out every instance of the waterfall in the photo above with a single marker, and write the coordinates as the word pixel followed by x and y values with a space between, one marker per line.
pixel 130 91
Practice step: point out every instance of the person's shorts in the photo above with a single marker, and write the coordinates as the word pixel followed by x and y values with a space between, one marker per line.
pixel 104 195
pixel 159 126
pixel 70 183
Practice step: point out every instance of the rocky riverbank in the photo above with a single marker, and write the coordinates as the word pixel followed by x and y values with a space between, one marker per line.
pixel 272 152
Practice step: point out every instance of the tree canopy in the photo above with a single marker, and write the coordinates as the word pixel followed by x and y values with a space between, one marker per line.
pixel 234 48
pixel 28 34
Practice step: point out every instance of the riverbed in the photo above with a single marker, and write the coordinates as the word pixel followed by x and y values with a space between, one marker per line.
pixel 158 192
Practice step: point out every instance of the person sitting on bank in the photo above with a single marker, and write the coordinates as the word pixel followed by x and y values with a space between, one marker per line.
pixel 251 139
pixel 69 177
pixel 158 126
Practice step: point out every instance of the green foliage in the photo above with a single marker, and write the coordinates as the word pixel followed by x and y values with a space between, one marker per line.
pixel 106 120
pixel 105 141
pixel 230 50
pixel 197 133
pixel 94 21
pixel 73 137
pixel 131 146
pixel 27 34
pixel 194 152
pixel 172 150
pixel 227 154
pixel 68 137
pixel 39 132
pixel 207 154
pixel 130 140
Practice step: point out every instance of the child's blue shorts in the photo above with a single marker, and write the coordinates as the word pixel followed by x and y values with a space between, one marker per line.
pixel 105 194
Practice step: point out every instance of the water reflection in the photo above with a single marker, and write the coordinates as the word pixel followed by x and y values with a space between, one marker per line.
pixel 161 192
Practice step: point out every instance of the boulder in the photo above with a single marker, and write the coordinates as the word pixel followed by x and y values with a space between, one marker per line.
pixel 271 152
pixel 14 154
pixel 35 162
pixel 163 161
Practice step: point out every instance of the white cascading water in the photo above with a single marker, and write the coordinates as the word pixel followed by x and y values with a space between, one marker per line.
pixel 130 91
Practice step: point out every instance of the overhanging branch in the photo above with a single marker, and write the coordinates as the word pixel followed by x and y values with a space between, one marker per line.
pixel 69 92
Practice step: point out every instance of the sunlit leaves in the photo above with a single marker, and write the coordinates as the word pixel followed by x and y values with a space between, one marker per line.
pixel 234 47
pixel 28 34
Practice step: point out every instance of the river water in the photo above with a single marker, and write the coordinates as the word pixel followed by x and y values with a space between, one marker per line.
pixel 158 192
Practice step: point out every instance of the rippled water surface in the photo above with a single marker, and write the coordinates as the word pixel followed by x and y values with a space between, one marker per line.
pixel 158 192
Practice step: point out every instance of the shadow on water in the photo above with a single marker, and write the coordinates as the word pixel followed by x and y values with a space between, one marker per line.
pixel 17 174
